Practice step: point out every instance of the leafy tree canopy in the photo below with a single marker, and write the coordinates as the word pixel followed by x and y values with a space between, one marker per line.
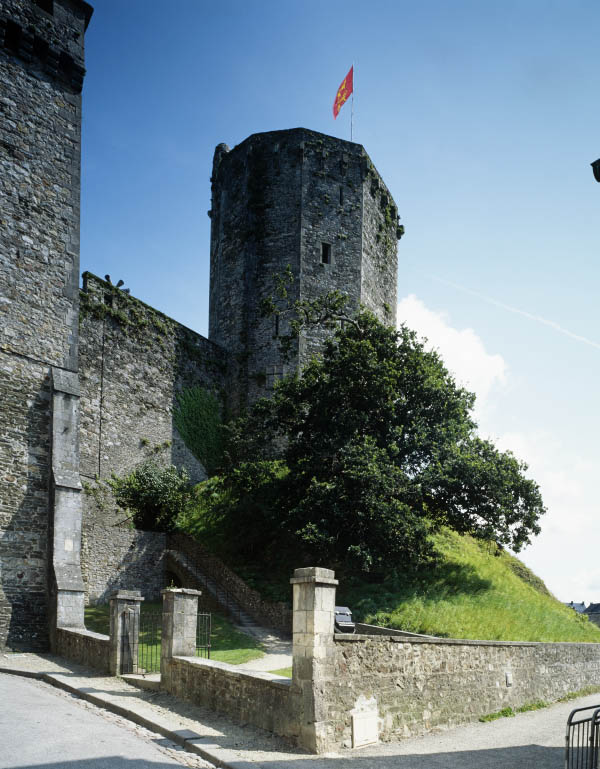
pixel 154 496
pixel 356 461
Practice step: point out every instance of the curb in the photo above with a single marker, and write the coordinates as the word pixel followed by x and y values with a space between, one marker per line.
pixel 185 738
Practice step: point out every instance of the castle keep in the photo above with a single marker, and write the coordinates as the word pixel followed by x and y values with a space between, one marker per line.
pixel 90 378
pixel 308 201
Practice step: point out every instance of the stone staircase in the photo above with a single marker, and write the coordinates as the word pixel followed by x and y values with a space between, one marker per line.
pixel 215 596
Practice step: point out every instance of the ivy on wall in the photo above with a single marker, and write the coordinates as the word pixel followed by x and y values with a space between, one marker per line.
pixel 198 417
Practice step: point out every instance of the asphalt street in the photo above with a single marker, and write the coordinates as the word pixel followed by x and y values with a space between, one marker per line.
pixel 41 726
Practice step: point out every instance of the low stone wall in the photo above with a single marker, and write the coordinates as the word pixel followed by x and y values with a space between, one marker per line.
pixel 416 684
pixel 274 615
pixel 363 629
pixel 260 699
pixel 115 558
pixel 84 646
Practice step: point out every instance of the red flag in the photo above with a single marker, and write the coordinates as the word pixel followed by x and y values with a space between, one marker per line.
pixel 344 92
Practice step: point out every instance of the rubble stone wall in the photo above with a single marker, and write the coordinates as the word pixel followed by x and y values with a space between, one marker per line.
pixel 134 362
pixel 41 75
pixel 85 647
pixel 420 684
pixel 120 558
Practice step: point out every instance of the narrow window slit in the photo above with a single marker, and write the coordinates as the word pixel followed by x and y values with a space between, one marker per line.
pixel 12 36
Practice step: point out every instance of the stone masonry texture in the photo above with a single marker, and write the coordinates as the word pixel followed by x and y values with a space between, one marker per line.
pixel 134 361
pixel 41 75
pixel 115 557
pixel 422 684
pixel 279 199
pixel 85 647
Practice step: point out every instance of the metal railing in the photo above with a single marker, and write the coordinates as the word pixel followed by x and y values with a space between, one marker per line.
pixel 203 626
pixel 206 572
pixel 141 641
pixel 148 656
pixel 129 635
pixel 582 738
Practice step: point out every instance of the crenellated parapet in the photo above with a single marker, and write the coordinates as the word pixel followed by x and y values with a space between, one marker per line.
pixel 47 35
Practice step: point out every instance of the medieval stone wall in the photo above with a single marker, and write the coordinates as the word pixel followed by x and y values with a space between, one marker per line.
pixel 381 230
pixel 24 504
pixel 332 215
pixel 305 200
pixel 255 233
pixel 41 73
pixel 134 361
pixel 118 558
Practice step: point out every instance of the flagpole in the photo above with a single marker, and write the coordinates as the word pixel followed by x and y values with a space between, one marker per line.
pixel 352 106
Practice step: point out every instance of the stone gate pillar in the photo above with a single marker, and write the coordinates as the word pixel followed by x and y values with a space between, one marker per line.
pixel 124 630
pixel 179 619
pixel 312 628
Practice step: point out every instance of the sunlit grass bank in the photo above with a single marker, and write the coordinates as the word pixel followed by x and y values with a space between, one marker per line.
pixel 471 593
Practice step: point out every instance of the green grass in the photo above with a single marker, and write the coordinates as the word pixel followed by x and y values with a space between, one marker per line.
pixel 283 672
pixel 579 693
pixel 471 593
pixel 539 705
pixel 508 712
pixel 227 643
pixel 504 713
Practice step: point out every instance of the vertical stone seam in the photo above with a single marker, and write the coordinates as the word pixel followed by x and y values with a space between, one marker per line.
pixel 100 410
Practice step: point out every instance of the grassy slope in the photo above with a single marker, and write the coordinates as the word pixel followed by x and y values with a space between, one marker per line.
pixel 227 643
pixel 470 594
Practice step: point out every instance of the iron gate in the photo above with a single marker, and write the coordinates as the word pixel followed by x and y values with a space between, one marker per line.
pixel 582 738
pixel 129 635
pixel 203 635
pixel 141 640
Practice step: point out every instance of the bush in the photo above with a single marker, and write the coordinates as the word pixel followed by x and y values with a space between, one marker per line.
pixel 154 496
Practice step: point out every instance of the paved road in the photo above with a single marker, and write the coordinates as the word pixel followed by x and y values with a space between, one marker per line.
pixel 45 728
pixel 529 741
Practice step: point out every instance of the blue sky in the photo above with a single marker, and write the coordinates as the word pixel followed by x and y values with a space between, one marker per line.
pixel 482 119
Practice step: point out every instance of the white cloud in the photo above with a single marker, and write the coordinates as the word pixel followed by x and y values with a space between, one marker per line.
pixel 462 351
pixel 571 527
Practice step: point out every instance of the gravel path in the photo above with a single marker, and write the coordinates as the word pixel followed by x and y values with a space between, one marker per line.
pixel 278 651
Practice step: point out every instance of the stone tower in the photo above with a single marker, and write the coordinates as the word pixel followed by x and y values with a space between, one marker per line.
pixel 41 76
pixel 303 199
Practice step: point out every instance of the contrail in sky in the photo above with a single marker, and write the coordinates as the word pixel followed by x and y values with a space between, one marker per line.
pixel 516 311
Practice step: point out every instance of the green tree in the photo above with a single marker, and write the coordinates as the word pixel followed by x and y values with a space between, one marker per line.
pixel 153 496
pixel 381 449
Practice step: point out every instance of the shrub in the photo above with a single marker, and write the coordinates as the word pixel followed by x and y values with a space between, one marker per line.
pixel 154 496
